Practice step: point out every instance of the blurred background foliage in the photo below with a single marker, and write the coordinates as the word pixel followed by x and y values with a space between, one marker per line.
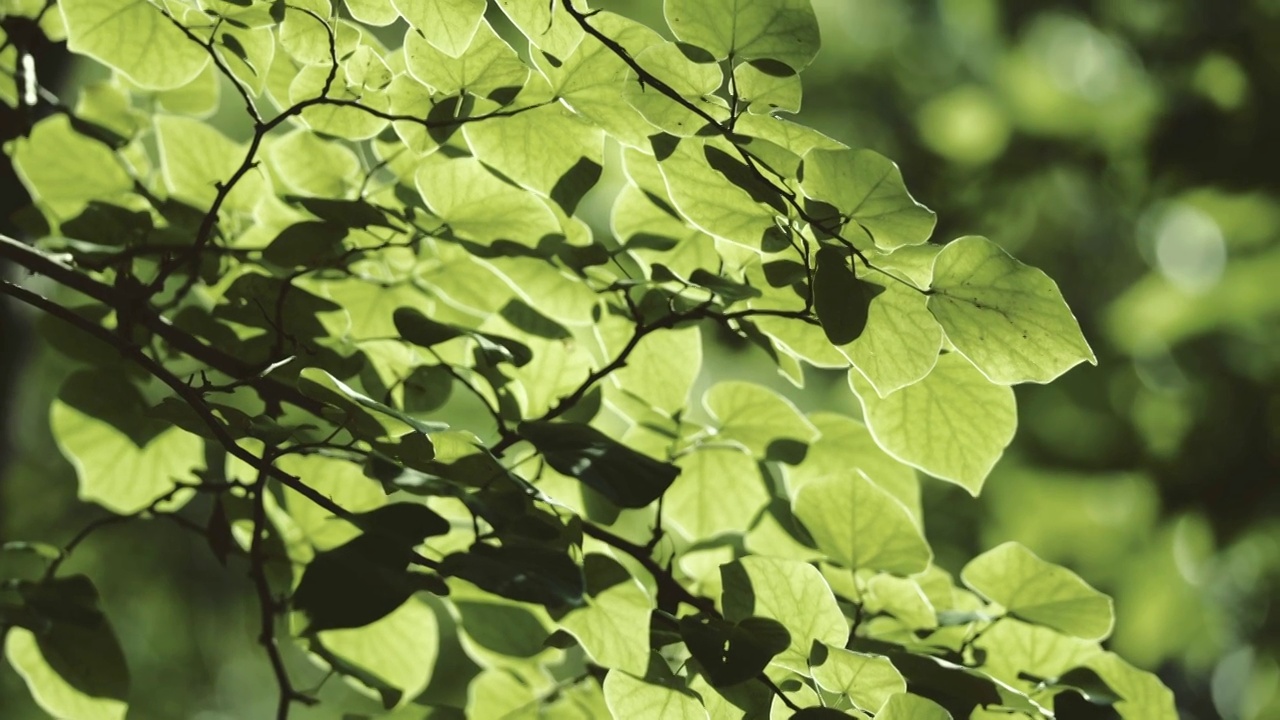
pixel 1128 148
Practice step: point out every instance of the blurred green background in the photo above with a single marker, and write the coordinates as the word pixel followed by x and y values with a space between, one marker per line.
pixel 1126 147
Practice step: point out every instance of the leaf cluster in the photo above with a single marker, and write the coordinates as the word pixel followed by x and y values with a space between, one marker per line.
pixel 422 395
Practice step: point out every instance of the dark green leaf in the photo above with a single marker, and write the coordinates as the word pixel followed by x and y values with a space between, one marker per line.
pixel 356 584
pixel 528 573
pixel 422 330
pixel 74 636
pixel 350 214
pixel 407 523
pixel 625 477
pixel 819 713
pixel 309 243
pixel 730 652
pixel 841 300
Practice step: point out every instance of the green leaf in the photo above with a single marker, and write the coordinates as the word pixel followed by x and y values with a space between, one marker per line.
pixel 663 367
pixel 868 680
pixel 794 594
pixel 378 13
pixel 136 39
pixel 903 598
pixel 782 30
pixel 1017 651
pixel 954 424
pixel 694 80
pixel 1145 697
pixel 343 482
pixel 733 652
pixel 703 197
pixel 422 330
pixel 547 26
pixel 198 98
pixel 394 423
pixel 528 573
pixel 357 583
pixel 866 188
pixel 860 525
pixel 308 164
pixel 449 25
pixel 1008 318
pixel 720 490
pixel 195 158
pixel 399 649
pixel 767 86
pixel 761 420
pixel 901 341
pixel 660 699
pixel 304 32
pixel 906 706
pixel 64 170
pixel 51 692
pixel 841 301
pixel 74 636
pixel 627 478
pixel 488 64
pixel 846 447
pixel 548 150
pixel 960 688
pixel 123 459
pixel 590 80
pixel 613 626
pixel 306 244
pixel 463 194
pixel 1040 592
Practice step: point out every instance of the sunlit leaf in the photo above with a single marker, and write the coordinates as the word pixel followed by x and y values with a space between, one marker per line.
pixel 109 31
pixel 123 459
pixel 613 627
pixel 782 30
pixel 449 25
pixel 1040 592
pixel 794 594
pixel 954 424
pixel 861 525
pixel 1009 319
pixel 867 189
pixel 868 680
pixel 50 691
pixel 758 418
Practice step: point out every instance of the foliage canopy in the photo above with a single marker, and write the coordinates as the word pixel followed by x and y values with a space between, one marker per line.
pixel 368 336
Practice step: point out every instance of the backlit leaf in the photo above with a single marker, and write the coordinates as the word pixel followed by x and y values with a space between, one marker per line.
pixel 782 30
pixel 50 691
pixel 1040 592
pixel 953 424
pixel 867 189
pixel 1009 319
pixel 135 38
pixel 794 594
pixel 861 525
pixel 123 459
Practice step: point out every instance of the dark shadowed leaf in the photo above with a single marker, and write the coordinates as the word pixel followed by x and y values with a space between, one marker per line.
pixel 408 523
pixel 422 330
pixel 358 583
pixel 74 636
pixel 841 300
pixel 731 652
pixel 529 573
pixel 625 477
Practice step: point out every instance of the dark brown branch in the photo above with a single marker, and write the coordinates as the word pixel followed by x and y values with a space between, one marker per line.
pixel 41 263
pixel 268 605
